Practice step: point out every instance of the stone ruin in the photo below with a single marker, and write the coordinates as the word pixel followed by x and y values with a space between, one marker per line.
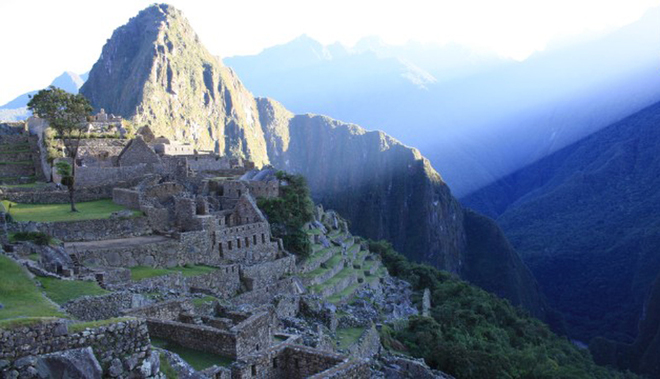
pixel 266 311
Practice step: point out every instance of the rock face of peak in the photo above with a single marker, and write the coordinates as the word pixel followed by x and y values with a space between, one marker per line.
pixel 155 70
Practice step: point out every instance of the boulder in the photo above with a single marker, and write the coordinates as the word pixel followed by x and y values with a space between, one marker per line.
pixel 54 259
pixel 71 364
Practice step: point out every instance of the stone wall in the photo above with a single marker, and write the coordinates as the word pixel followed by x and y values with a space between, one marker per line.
pixel 122 348
pixel 93 176
pixel 246 243
pixel 199 337
pixel 265 295
pixel 208 163
pixel 89 308
pixel 286 361
pixel 165 311
pixel 367 346
pixel 126 197
pixel 353 369
pixel 264 189
pixel 188 248
pixel 225 282
pixel 253 334
pixel 89 230
pixel 263 274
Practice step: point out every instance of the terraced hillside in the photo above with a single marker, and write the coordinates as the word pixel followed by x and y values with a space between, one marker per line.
pixel 18 159
pixel 340 264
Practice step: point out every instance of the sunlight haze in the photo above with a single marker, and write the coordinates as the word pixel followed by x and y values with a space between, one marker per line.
pixel 70 34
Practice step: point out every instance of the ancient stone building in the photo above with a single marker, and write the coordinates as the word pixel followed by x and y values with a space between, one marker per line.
pixel 137 152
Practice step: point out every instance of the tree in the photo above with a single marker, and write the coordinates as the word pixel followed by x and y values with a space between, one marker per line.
pixel 288 213
pixel 67 114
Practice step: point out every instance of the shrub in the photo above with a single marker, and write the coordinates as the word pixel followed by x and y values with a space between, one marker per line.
pixel 39 238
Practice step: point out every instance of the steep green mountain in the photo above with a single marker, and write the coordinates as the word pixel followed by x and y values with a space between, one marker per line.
pixel 155 70
pixel 585 220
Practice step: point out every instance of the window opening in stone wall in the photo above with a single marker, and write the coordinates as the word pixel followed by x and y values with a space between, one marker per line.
pixel 220 248
pixel 254 370
pixel 247 242
pixel 238 243
pixel 275 362
pixel 254 239
pixel 228 245
pixel 263 238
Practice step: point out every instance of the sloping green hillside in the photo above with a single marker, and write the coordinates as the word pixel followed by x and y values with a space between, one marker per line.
pixel 473 334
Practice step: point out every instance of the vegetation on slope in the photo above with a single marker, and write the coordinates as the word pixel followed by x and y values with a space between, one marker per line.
pixel 19 295
pixel 288 213
pixel 473 334
pixel 61 291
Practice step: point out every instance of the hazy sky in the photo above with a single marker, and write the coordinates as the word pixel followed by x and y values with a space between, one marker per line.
pixel 41 39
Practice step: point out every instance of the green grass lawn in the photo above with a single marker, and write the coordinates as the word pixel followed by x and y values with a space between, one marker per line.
pixel 20 296
pixel 61 291
pixel 89 210
pixel 142 272
pixel 349 336
pixel 199 360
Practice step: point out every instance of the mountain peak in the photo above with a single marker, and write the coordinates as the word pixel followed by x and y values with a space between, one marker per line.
pixel 155 70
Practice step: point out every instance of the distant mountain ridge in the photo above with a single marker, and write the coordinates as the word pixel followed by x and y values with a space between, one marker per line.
pixel 155 71
pixel 481 117
pixel 585 219
pixel 16 109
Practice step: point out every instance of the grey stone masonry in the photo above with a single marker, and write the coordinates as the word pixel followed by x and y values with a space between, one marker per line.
pixel 122 347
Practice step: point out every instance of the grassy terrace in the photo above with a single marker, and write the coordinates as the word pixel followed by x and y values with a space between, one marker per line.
pixel 89 210
pixel 347 271
pixel 320 253
pixel 199 360
pixel 142 272
pixel 20 296
pixel 349 336
pixel 61 291
pixel 329 265
pixel 314 231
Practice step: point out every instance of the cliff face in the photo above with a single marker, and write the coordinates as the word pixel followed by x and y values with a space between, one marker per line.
pixel 386 190
pixel 155 70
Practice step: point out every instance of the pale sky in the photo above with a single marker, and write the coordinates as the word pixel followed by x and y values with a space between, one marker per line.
pixel 42 39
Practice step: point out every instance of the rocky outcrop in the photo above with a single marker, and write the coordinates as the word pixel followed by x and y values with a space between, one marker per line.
pixel 73 364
